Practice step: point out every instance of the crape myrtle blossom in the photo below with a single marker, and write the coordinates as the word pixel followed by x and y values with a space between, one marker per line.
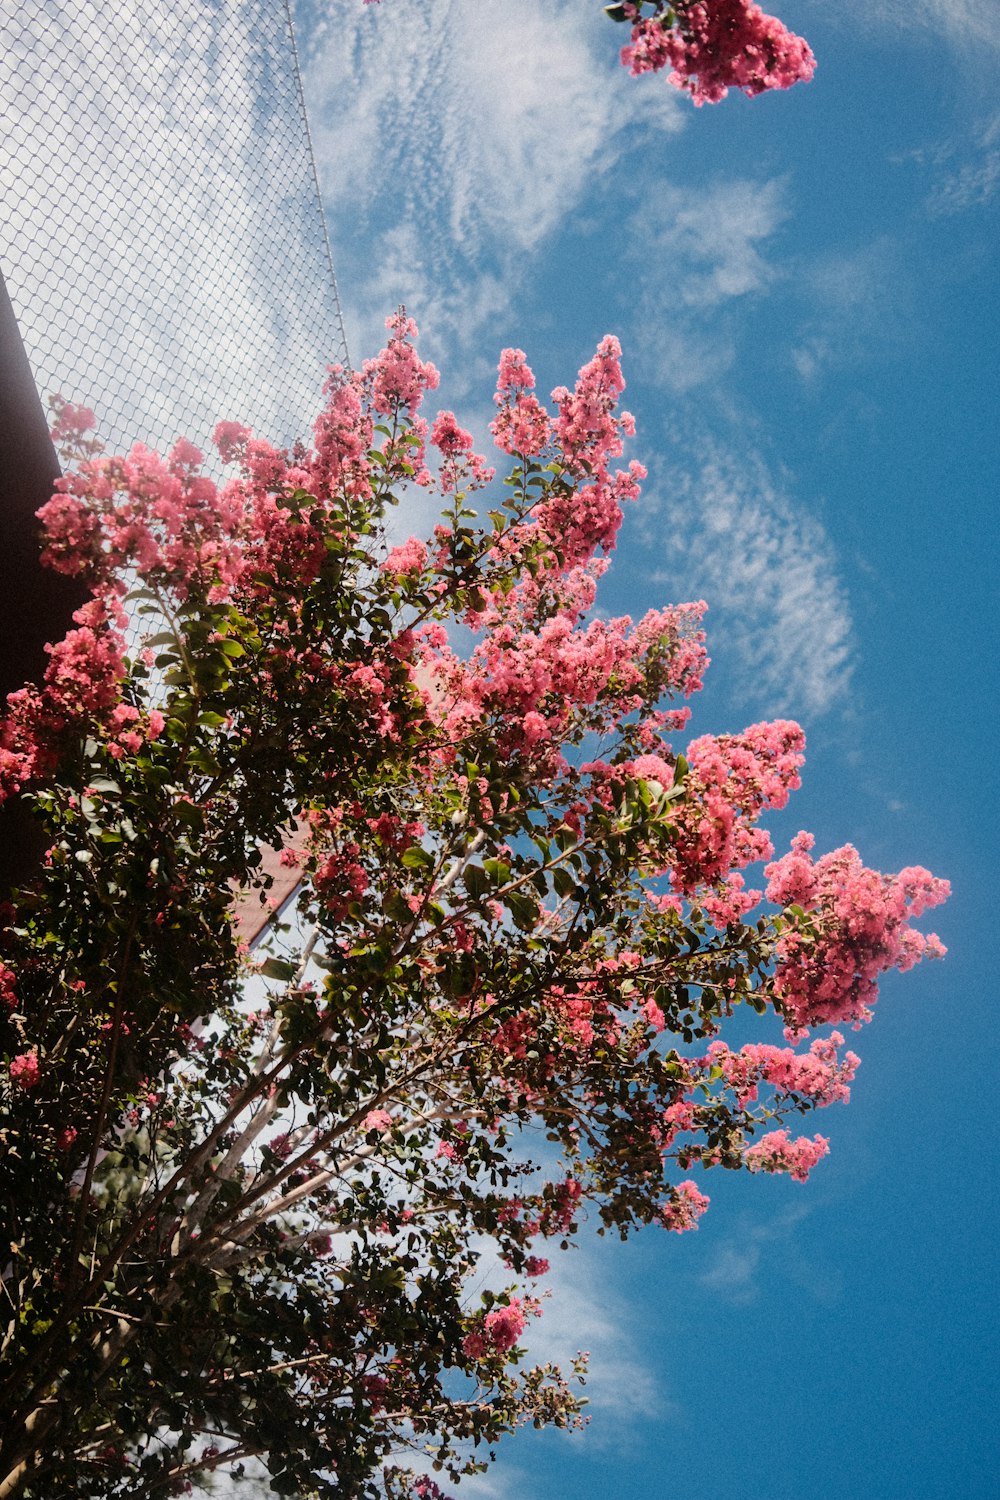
pixel 24 1070
pixel 712 46
pixel 847 926
pixel 686 1208
pixel 817 1075
pixel 777 1152
pixel 528 909
pixel 521 425
pixel 498 1332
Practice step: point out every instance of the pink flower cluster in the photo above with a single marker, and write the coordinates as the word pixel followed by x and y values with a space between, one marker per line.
pixel 157 514
pixel 71 425
pixel 8 990
pixel 777 1152
pixel 340 880
pixel 24 1070
pixel 498 1332
pixel 409 557
pixel 343 434
pixel 576 519
pixel 521 425
pixel 732 779
pixel 81 683
pixel 857 925
pixel 562 1203
pixel 651 768
pixel 589 433
pixel 717 45
pixel 684 1209
pixel 399 377
pixel 533 680
pixel 818 1075
pixel 461 468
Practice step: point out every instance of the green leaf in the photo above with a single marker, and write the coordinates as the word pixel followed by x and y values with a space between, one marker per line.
pixel 477 882
pixel 417 858
pixel 277 968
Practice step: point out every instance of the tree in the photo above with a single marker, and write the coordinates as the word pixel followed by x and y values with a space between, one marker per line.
pixel 248 1227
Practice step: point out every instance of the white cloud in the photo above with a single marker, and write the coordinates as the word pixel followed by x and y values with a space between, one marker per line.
pixel 583 1313
pixel 964 184
pixel 739 1262
pixel 454 138
pixel 770 575
pixel 966 24
pixel 856 305
pixel 711 238
pixel 714 240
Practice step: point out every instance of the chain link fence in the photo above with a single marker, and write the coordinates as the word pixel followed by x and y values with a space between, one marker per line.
pixel 162 236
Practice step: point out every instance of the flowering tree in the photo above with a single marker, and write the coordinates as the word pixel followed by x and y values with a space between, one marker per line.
pixel 247 1227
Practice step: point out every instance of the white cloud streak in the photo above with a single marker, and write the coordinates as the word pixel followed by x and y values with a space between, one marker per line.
pixel 710 243
pixel 970 25
pixel 960 184
pixel 454 139
pixel 770 575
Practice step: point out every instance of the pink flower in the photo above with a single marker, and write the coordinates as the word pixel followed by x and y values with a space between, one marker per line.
pixel 397 376
pixel 717 45
pixel 71 422
pixel 498 1332
pixel 684 1209
pixel 448 436
pixel 776 1152
pixel 652 768
pixel 377 1119
pixel 8 991
pixel 504 1325
pixel 856 926
pixel 231 439
pixel 818 1075
pixel 24 1069
pixel 653 1015
pixel 409 557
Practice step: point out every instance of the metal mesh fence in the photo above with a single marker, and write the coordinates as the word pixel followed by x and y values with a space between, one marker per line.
pixel 161 231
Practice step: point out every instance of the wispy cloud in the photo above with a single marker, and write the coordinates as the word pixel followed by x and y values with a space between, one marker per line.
pixel 455 138
pixel 966 24
pixel 761 1250
pixel 771 577
pixel 964 176
pixel 712 245
pixel 584 1314
pixel 711 238
pixel 846 295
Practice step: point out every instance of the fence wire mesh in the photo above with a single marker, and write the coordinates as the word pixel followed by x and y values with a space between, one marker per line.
pixel 162 236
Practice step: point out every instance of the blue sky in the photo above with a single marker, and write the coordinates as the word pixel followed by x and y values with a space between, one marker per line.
pixel 805 289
